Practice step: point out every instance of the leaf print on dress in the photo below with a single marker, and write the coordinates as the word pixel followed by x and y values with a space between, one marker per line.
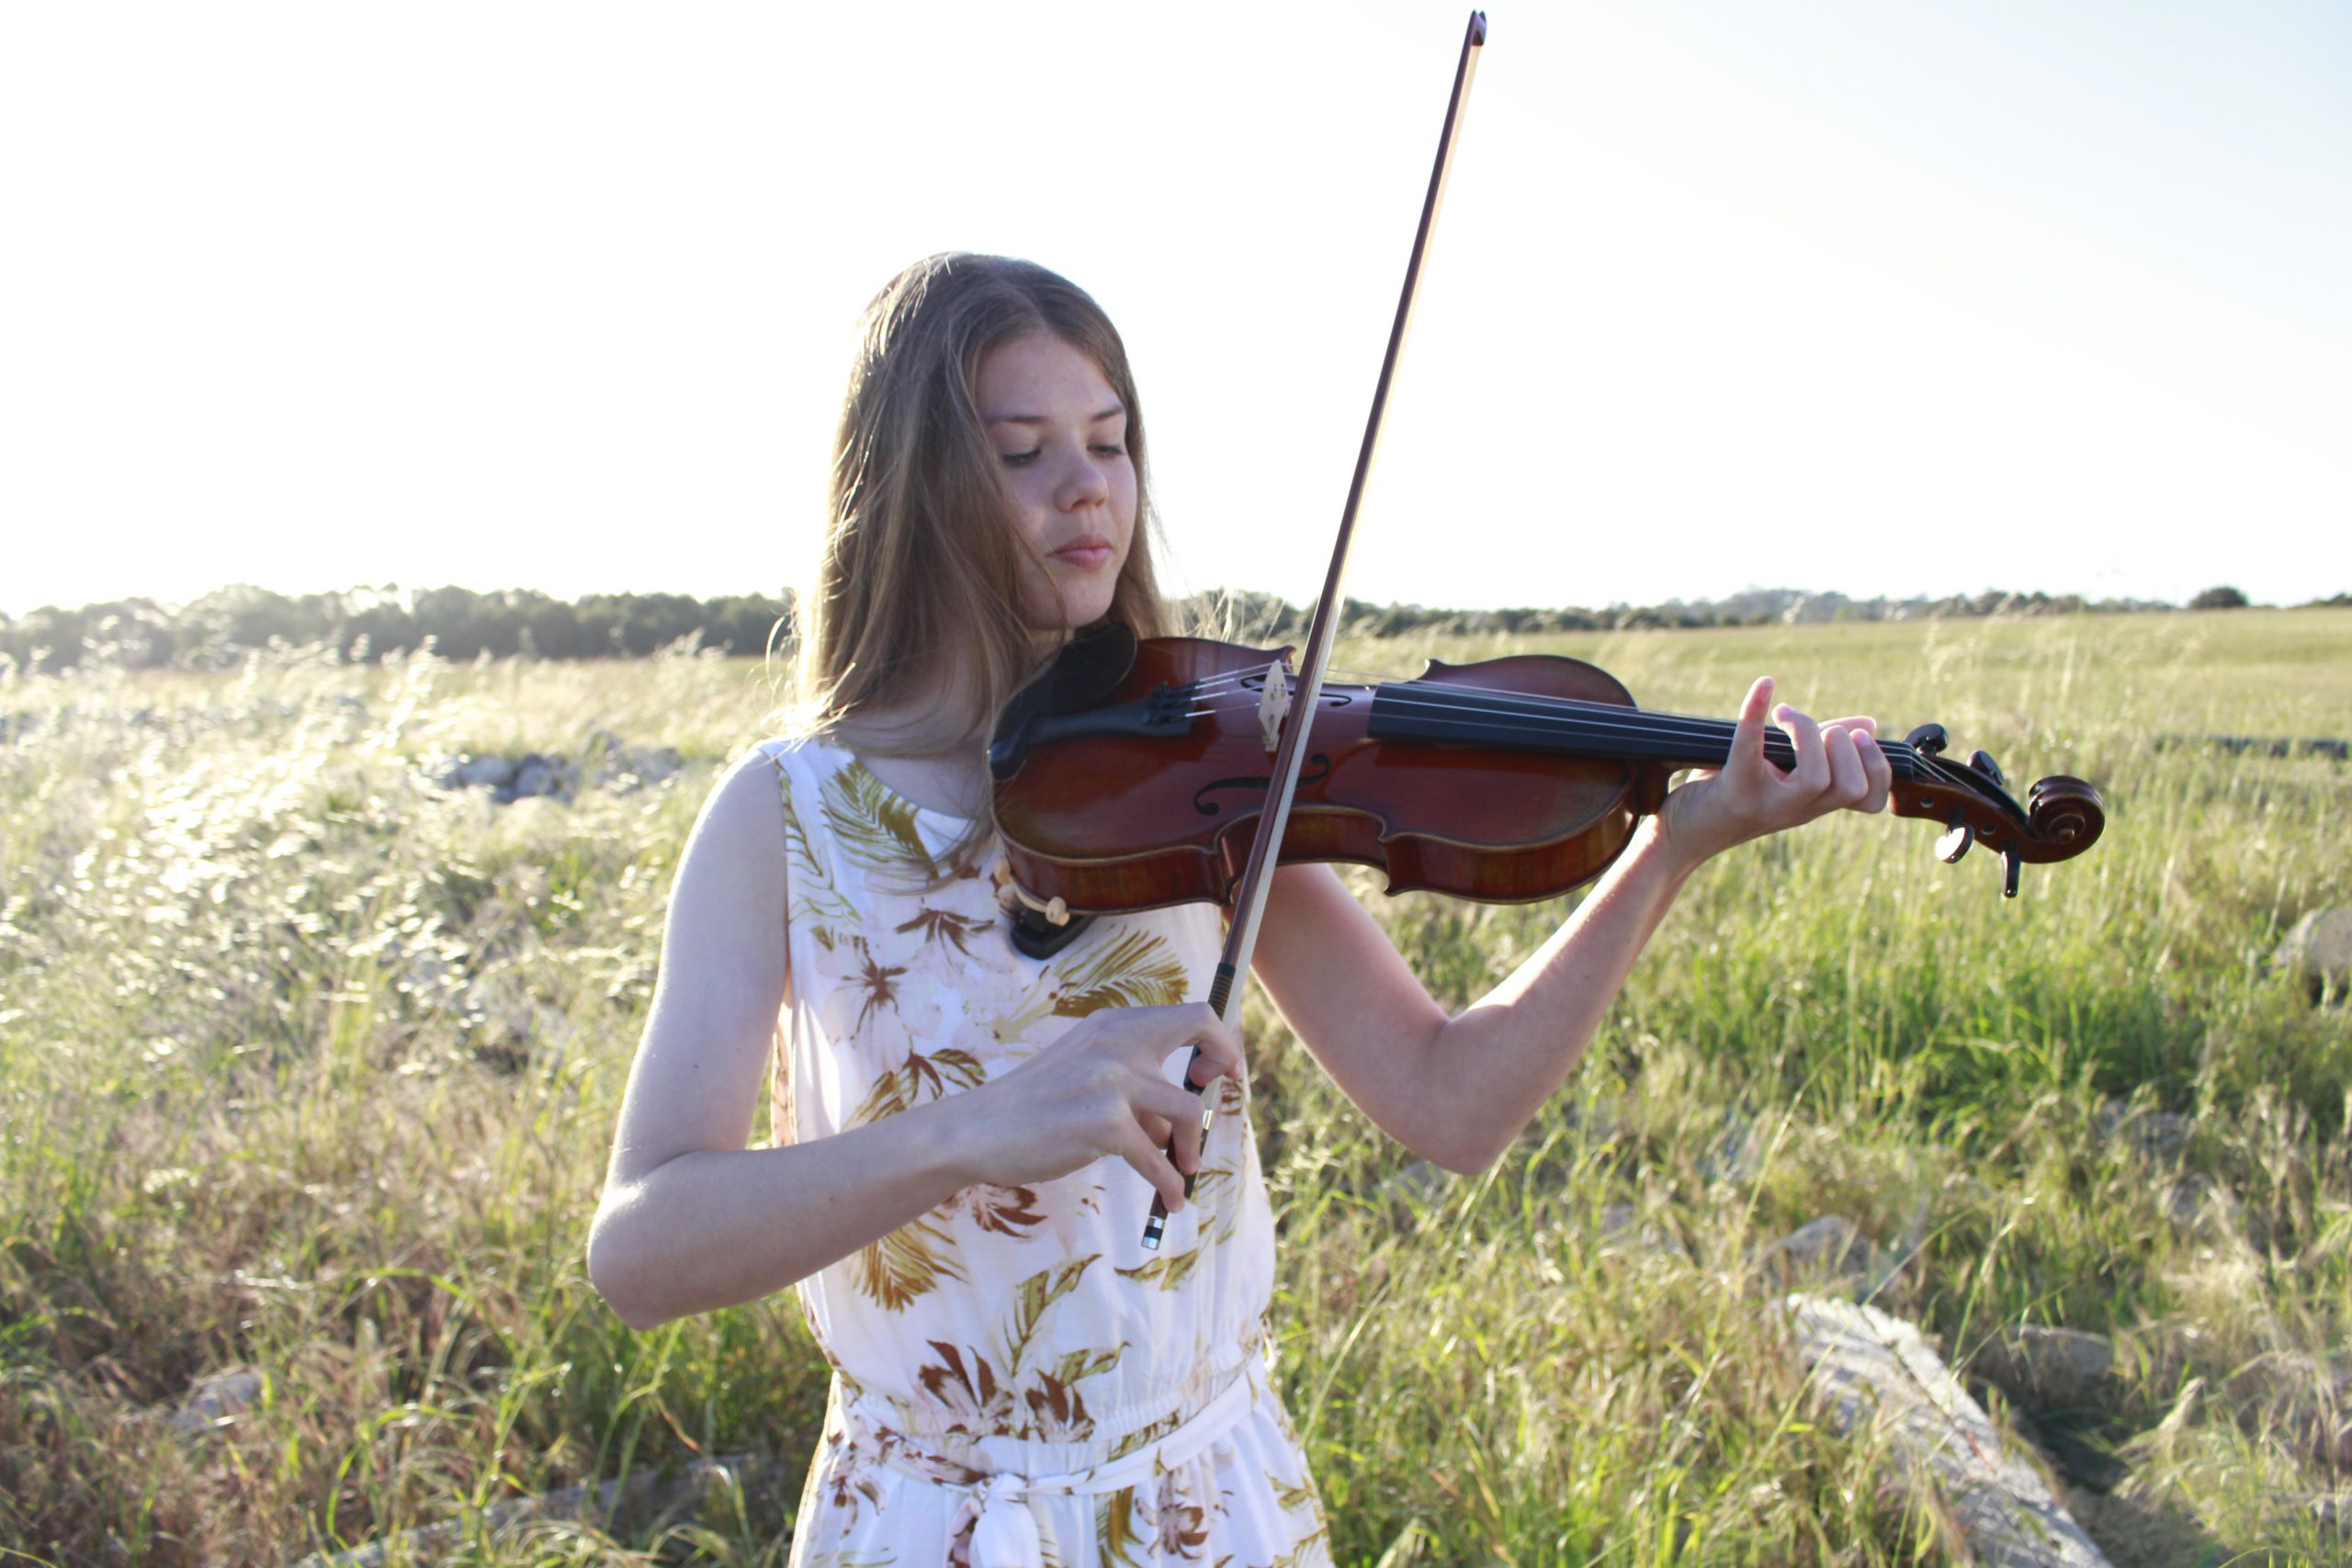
pixel 947 928
pixel 1178 1526
pixel 1291 1499
pixel 867 1005
pixel 877 984
pixel 974 1402
pixel 1212 1189
pixel 850 1487
pixel 907 1263
pixel 1135 968
pixel 915 1080
pixel 1115 1535
pixel 958 942
pixel 1311 1551
pixel 1057 1412
pixel 1030 1300
pixel 1170 1272
pixel 877 828
pixel 815 901
pixel 997 1211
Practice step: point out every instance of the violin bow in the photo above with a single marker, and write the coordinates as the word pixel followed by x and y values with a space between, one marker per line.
pixel 1257 874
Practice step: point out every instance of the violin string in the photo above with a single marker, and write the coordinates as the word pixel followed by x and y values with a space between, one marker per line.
pixel 1541 718
pixel 1554 718
pixel 1402 693
pixel 1631 740
pixel 1395 690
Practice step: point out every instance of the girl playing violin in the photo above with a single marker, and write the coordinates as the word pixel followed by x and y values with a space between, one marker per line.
pixel 967 1141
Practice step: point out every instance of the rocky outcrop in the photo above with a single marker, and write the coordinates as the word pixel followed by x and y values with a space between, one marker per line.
pixel 610 762
pixel 658 1490
pixel 1870 1369
pixel 2159 1135
pixel 214 1398
pixel 2319 950
pixel 1831 1248
pixel 2044 1367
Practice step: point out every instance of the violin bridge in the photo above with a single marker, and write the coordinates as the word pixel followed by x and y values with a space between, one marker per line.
pixel 1273 705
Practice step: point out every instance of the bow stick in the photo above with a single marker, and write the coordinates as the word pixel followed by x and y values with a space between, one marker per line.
pixel 1257 874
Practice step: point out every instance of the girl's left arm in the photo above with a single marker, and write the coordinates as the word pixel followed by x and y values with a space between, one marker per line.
pixel 1458 1091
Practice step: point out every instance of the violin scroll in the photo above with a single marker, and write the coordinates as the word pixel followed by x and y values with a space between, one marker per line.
pixel 2061 817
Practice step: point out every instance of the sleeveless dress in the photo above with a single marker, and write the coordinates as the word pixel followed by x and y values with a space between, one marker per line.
pixel 1015 1379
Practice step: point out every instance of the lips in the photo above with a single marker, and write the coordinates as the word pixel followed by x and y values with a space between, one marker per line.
pixel 1086 552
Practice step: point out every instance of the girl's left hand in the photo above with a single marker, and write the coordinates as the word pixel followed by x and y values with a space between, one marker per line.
pixel 1839 766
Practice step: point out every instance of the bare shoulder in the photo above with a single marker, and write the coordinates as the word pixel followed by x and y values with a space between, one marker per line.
pixel 723 978
pixel 726 908
pixel 743 814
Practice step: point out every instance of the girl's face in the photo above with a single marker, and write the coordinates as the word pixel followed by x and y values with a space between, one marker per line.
pixel 1061 434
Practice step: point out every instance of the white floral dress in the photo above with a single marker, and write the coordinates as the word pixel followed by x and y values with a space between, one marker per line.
pixel 1017 1333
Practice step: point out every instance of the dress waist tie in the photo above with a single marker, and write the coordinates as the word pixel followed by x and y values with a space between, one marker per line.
pixel 1004 1532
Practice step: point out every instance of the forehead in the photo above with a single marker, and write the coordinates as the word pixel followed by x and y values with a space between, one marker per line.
pixel 1040 374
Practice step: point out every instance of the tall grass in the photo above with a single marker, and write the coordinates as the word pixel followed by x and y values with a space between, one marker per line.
pixel 309 1065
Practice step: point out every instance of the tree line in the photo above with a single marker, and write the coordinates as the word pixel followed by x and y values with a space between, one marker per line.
pixel 362 624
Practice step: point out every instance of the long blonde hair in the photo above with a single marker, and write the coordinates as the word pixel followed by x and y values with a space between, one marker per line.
pixel 912 636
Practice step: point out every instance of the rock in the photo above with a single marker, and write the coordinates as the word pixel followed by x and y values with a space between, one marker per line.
pixel 2318 949
pixel 1738 1155
pixel 1623 1233
pixel 631 767
pixel 1418 1187
pixel 2047 1367
pixel 1605 1120
pixel 2191 1198
pixel 1831 1247
pixel 2142 1532
pixel 535 776
pixel 2069 1440
pixel 2160 1136
pixel 662 1490
pixel 550 776
pixel 215 1399
pixel 2198 1204
pixel 496 772
pixel 2305 1398
pixel 639 766
pixel 1869 1367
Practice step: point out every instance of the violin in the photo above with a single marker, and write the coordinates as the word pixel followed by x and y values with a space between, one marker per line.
pixel 1136 774
pixel 1132 773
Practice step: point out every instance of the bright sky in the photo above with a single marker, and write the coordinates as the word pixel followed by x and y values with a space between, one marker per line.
pixel 1900 299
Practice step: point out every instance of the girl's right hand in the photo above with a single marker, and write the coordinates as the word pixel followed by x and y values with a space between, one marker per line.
pixel 1100 1089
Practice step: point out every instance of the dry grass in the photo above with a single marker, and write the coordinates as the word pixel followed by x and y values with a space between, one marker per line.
pixel 307 1065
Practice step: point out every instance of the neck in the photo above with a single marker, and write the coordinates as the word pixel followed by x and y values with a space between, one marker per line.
pixel 1415 710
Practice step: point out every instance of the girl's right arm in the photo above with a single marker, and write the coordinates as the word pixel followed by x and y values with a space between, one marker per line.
pixel 691 1220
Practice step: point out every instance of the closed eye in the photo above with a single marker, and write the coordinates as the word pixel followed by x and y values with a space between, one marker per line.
pixel 1019 460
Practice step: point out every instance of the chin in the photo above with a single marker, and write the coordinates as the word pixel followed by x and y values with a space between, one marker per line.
pixel 1081 605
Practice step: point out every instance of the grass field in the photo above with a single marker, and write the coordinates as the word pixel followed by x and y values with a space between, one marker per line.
pixel 309 1066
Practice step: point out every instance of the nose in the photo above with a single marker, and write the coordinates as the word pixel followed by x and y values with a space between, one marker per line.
pixel 1083 483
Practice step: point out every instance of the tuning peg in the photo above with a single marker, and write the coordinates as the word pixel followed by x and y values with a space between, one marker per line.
pixel 1928 739
pixel 2012 864
pixel 1982 762
pixel 1958 835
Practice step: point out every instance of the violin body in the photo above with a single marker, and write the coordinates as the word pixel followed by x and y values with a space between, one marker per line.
pixel 1133 777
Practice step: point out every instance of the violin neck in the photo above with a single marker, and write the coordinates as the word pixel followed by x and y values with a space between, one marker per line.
pixel 1416 710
